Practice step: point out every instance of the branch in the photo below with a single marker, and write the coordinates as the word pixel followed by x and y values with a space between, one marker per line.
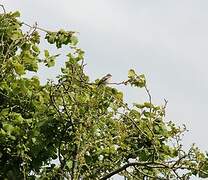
pixel 166 102
pixel 41 29
pixel 179 160
pixel 123 82
pixel 35 27
pixel 113 83
pixel 156 165
pixel 4 95
pixel 144 173
pixel 149 95
pixel 3 8
pixel 166 165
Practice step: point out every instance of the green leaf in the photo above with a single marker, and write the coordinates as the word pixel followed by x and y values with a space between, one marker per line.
pixel 74 40
pixel 2 132
pixel 139 106
pixel 16 14
pixel 8 128
pixel 143 155
pixel 46 53
pixel 34 140
pixel 148 105
pixel 36 82
pixel 51 37
pixel 35 49
pixel 16 35
pixel 19 68
pixel 69 164
pixel 50 62
pixel 131 73
pixel 119 96
pixel 18 118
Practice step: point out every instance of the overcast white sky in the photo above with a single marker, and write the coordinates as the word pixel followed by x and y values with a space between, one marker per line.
pixel 166 40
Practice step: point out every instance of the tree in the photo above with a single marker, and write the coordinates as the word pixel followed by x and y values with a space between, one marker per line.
pixel 75 128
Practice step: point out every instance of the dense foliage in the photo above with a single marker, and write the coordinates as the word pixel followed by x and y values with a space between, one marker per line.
pixel 75 128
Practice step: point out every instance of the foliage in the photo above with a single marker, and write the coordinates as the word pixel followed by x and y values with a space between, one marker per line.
pixel 88 130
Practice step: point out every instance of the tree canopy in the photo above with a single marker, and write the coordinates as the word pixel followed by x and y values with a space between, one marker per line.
pixel 75 128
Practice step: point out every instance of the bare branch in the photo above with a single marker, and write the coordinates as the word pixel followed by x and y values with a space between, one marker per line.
pixel 149 95
pixel 147 164
pixel 35 27
pixel 123 82
pixel 166 102
pixel 3 8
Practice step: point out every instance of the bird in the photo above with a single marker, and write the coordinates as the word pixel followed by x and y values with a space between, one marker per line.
pixel 105 80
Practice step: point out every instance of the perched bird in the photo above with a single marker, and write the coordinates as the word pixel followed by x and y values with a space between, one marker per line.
pixel 105 80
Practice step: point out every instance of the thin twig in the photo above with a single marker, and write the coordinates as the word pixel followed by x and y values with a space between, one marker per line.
pixel 165 104
pixel 3 8
pixel 35 27
pixel 123 82
pixel 149 95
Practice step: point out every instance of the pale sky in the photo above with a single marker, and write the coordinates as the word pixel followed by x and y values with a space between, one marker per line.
pixel 164 39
